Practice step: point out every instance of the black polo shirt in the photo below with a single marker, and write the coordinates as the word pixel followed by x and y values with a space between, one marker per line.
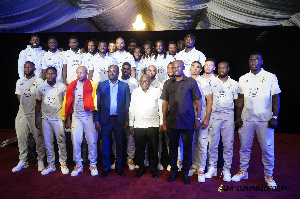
pixel 181 96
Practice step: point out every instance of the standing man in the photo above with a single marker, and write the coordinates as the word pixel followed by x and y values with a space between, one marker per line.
pixel 32 53
pixel 50 97
pixel 152 71
pixel 145 121
pixel 257 111
pixel 222 121
pixel 80 101
pixel 179 94
pixel 133 84
pixel 53 58
pixel 209 68
pixel 201 136
pixel 91 47
pixel 180 45
pixel 190 54
pixel 140 63
pixel 98 66
pixel 25 121
pixel 112 47
pixel 122 56
pixel 112 115
pixel 72 59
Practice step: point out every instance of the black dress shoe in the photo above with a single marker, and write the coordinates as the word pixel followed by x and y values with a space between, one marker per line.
pixel 172 176
pixel 104 173
pixel 139 173
pixel 120 172
pixel 154 174
pixel 186 179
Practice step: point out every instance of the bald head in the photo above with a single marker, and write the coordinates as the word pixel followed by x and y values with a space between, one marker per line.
pixel 120 44
pixel 152 71
pixel 81 72
pixel 178 67
pixel 113 73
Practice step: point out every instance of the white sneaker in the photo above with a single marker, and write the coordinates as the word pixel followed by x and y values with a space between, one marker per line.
pixel 131 164
pixel 20 166
pixel 270 182
pixel 201 175
pixel 169 168
pixel 160 166
pixel 137 166
pixel 64 169
pixel 48 169
pixel 211 172
pixel 192 170
pixel 76 171
pixel 94 170
pixel 113 166
pixel 226 175
pixel 179 165
pixel 41 166
pixel 239 176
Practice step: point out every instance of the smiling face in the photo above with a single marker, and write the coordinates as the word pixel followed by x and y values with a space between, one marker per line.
pixel 102 47
pixel 145 82
pixel 112 47
pixel 147 49
pixel 159 47
pixel 170 70
pixel 131 47
pixel 120 44
pixel 137 53
pixel 91 47
pixel 35 41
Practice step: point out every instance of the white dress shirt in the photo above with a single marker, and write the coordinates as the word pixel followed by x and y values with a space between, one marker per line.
pixel 145 108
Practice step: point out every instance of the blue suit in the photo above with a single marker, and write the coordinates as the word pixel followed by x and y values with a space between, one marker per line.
pixel 112 123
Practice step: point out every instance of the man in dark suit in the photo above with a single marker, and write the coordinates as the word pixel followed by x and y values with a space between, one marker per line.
pixel 113 98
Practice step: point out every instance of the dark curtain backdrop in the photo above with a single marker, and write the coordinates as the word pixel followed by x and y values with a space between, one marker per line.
pixel 279 46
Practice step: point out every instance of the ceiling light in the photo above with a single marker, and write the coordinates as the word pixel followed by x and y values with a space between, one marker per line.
pixel 139 24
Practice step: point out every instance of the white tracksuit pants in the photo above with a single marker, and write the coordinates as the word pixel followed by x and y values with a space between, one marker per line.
pixel 25 124
pixel 54 126
pixel 265 137
pixel 225 127
pixel 200 148
pixel 86 124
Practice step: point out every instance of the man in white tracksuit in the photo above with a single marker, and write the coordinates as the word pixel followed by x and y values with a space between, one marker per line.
pixel 201 136
pixel 224 91
pixel 257 111
pixel 26 93
pixel 50 97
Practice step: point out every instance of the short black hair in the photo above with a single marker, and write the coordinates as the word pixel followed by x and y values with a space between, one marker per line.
pixel 73 37
pixel 87 42
pixel 51 68
pixel 256 53
pixel 180 42
pixel 34 35
pixel 111 41
pixel 52 37
pixel 172 42
pixel 102 41
pixel 30 62
pixel 211 59
pixel 132 41
pixel 197 63
pixel 225 62
pixel 127 64
pixel 190 36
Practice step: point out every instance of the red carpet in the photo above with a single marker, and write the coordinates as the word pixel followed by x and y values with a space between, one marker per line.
pixel 29 183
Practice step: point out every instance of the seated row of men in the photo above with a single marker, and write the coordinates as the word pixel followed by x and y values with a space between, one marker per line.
pixel 198 109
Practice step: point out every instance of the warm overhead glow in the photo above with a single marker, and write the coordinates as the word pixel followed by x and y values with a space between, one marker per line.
pixel 139 24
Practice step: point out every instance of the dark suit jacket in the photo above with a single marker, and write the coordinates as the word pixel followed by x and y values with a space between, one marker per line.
pixel 103 102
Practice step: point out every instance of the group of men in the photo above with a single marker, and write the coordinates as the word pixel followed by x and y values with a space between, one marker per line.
pixel 156 93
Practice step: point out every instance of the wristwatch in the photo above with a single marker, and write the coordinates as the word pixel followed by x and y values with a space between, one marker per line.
pixel 198 118
pixel 275 117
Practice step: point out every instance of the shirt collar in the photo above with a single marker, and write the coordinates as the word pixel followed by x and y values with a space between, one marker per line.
pixel 184 78
pixel 110 82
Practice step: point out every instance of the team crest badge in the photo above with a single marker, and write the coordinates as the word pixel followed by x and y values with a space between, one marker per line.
pixel 263 80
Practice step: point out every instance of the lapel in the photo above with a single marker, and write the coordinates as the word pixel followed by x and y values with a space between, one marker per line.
pixel 119 93
pixel 107 93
